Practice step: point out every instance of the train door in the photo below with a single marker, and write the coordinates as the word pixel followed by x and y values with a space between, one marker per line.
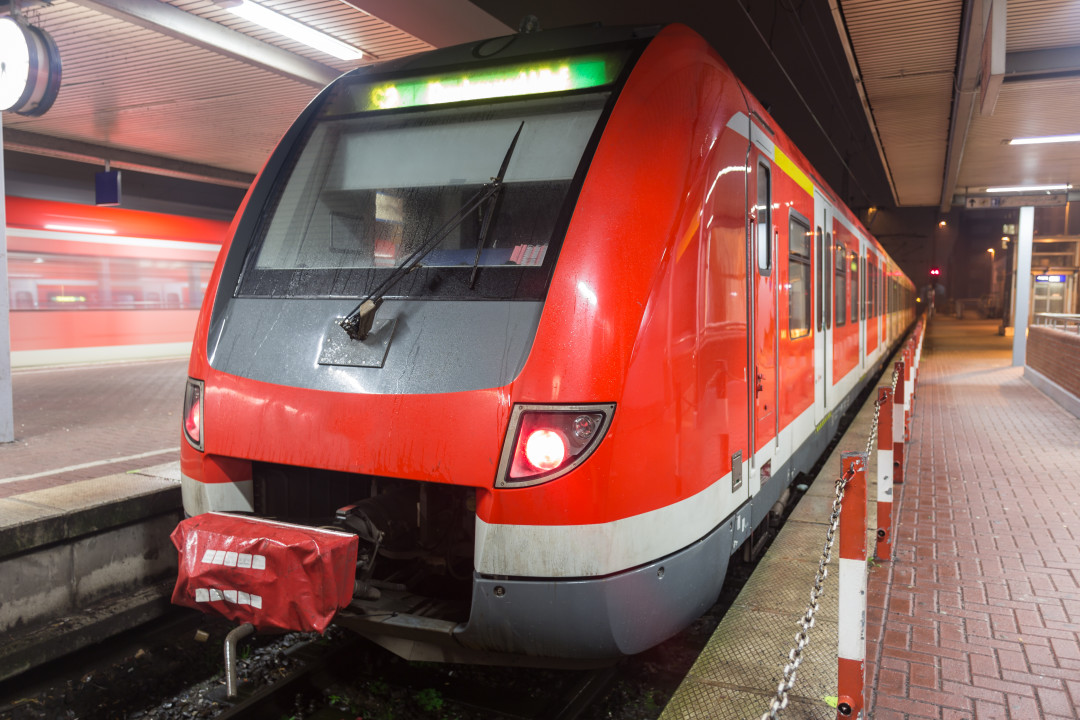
pixel 867 316
pixel 763 294
pixel 822 272
pixel 858 297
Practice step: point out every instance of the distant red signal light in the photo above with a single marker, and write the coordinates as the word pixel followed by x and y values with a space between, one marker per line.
pixel 935 271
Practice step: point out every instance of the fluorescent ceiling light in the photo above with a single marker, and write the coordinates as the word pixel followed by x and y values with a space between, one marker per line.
pixel 1045 139
pixel 296 31
pixel 1029 188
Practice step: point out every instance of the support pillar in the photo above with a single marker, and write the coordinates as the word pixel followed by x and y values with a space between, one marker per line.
pixel 1022 284
pixel 7 419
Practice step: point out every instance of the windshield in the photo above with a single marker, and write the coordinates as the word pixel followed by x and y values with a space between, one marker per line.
pixel 368 189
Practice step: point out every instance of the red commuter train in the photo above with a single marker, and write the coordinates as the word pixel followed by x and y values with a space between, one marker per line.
pixel 550 322
pixel 91 284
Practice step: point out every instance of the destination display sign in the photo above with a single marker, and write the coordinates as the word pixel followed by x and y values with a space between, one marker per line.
pixel 987 202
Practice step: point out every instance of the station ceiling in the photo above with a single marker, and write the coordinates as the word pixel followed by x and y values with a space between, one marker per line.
pixel 894 101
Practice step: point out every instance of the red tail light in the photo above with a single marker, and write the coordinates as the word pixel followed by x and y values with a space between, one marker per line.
pixel 544 442
pixel 545 449
pixel 193 419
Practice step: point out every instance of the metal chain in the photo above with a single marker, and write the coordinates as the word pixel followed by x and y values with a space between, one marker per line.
pixel 802 638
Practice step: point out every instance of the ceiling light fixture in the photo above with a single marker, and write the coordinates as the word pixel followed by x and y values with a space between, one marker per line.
pixel 1045 139
pixel 1029 188
pixel 293 30
pixel 30 68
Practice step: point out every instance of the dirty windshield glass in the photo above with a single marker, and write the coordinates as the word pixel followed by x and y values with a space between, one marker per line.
pixel 368 189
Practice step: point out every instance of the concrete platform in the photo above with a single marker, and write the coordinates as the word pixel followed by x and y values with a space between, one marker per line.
pixel 84 561
pixel 84 549
pixel 736 675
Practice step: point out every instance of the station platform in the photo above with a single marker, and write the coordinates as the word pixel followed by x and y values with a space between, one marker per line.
pixel 977 615
pixel 87 421
pixel 89 492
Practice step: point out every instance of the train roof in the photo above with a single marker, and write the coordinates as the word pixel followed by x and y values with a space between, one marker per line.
pixel 518 45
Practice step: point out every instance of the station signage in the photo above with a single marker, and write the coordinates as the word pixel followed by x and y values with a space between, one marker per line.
pixel 1049 278
pixel 988 202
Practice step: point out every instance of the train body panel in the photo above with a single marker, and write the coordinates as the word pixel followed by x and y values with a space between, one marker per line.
pixel 664 305
pixel 93 284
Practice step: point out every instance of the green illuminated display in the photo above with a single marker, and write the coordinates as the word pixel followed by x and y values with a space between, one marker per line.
pixel 556 76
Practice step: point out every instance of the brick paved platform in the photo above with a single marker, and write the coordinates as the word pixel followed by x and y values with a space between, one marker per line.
pixel 79 423
pixel 978 616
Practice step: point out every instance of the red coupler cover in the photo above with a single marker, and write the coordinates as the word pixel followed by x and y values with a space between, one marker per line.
pixel 271 574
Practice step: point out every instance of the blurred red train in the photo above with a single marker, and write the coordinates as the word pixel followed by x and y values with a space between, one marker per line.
pixel 93 284
pixel 613 315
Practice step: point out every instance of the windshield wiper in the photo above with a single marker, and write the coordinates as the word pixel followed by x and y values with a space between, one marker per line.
pixel 357 324
pixel 482 239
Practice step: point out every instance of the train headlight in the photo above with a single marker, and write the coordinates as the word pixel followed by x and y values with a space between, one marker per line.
pixel 193 417
pixel 544 442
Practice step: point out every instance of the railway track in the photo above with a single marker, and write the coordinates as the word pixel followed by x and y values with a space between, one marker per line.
pixel 326 681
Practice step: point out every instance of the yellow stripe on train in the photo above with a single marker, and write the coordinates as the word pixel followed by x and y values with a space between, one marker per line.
pixel 785 163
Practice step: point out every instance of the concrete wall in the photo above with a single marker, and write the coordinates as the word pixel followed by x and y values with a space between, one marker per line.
pixel 83 561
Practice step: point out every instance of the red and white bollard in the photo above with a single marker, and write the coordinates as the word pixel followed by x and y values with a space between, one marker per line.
pixel 909 385
pixel 883 550
pixel 920 334
pixel 852 589
pixel 897 426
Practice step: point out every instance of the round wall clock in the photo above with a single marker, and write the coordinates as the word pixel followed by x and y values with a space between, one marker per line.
pixel 29 68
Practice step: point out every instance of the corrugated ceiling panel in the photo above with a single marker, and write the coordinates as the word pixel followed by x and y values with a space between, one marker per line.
pixel 128 87
pixel 1045 107
pixel 1040 24
pixel 892 37
pixel 377 39
pixel 906 51
pixel 912 119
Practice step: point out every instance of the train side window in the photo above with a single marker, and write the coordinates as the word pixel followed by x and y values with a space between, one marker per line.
pixel 854 257
pixel 826 276
pixel 868 291
pixel 799 309
pixel 865 279
pixel 59 281
pixel 819 239
pixel 764 219
pixel 23 300
pixel 840 285
pixel 879 292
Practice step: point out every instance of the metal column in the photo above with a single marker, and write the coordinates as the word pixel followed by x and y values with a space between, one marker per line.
pixel 1022 291
pixel 7 419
